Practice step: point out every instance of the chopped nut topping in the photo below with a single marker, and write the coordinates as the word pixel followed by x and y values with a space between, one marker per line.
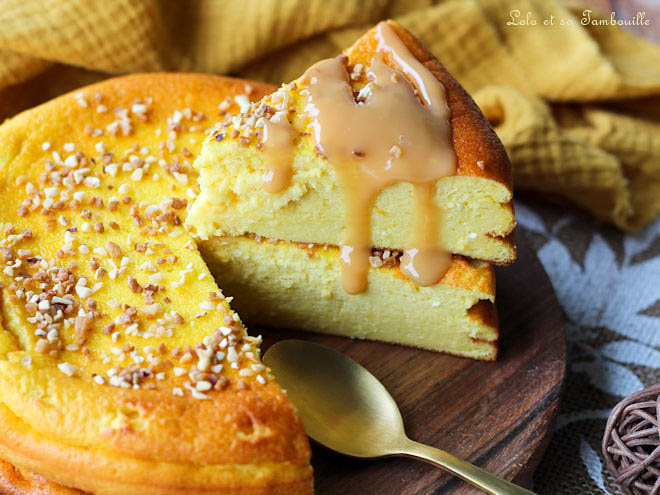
pixel 73 192
pixel 152 310
pixel 67 369
pixel 113 249
pixel 83 326
pixel 7 254
pixel 133 285
pixel 385 258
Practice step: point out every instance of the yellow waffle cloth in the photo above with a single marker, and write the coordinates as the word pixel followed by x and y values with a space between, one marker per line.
pixel 576 104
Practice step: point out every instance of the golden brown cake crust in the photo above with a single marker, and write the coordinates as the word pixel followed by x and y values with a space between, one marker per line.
pixel 14 481
pixel 179 432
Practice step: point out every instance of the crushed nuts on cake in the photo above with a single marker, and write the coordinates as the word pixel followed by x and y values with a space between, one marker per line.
pixel 107 231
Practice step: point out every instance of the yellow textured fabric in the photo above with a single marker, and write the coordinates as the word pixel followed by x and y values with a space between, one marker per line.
pixel 577 106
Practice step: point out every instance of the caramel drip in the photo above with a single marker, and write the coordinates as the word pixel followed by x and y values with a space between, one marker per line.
pixel 277 143
pixel 384 136
pixel 425 263
pixel 431 90
pixel 356 249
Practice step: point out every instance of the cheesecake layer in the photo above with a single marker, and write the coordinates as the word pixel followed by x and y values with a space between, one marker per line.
pixel 476 221
pixel 275 283
pixel 123 369
pixel 476 214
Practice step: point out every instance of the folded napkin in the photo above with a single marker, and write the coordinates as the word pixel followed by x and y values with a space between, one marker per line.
pixel 577 105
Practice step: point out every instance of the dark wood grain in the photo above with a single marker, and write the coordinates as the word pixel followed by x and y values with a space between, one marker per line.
pixel 497 415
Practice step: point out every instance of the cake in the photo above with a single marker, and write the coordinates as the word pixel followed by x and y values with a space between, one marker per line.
pixel 357 200
pixel 123 369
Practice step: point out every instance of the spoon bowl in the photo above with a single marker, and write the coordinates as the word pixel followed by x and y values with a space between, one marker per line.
pixel 345 408
pixel 341 404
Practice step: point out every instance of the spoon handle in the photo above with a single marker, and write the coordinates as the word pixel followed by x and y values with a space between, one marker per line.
pixel 468 472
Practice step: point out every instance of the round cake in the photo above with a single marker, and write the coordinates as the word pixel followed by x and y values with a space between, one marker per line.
pixel 123 369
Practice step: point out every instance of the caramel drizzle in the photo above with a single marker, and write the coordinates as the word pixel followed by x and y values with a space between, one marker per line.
pixel 426 262
pixel 385 136
pixel 277 143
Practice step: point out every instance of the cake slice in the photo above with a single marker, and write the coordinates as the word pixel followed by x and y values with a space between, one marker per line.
pixel 123 369
pixel 353 200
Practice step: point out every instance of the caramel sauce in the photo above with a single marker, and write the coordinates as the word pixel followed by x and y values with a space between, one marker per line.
pixel 277 143
pixel 426 262
pixel 393 131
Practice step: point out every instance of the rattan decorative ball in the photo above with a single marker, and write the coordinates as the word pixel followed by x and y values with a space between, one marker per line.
pixel 631 444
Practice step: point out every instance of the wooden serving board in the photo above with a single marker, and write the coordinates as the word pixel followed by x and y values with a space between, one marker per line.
pixel 497 415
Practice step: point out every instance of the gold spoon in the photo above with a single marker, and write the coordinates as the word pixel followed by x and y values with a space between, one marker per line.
pixel 346 408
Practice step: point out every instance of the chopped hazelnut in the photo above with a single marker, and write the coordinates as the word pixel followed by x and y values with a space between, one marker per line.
pixel 152 310
pixel 83 326
pixel 7 254
pixel 113 249
pixel 133 285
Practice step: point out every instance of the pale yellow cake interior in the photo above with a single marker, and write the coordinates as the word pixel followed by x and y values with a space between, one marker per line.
pixel 299 286
pixel 476 215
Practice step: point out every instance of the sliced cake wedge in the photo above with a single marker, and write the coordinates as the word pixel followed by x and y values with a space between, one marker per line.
pixel 353 201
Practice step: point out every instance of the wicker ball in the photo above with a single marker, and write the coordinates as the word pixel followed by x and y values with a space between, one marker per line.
pixel 631 444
